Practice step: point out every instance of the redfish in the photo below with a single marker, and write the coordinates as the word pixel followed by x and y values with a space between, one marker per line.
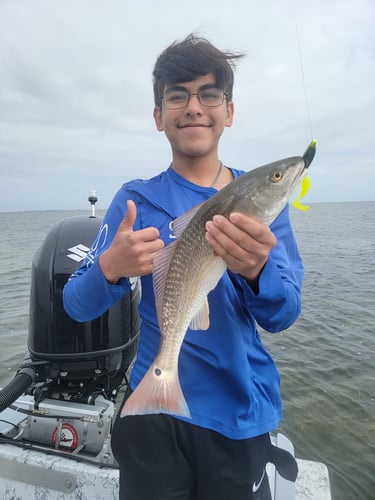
pixel 186 270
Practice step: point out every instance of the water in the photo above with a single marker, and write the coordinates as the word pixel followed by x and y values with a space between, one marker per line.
pixel 326 360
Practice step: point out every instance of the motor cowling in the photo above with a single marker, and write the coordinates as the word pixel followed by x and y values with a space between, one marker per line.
pixel 66 349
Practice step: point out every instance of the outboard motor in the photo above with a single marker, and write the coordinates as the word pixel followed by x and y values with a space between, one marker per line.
pixel 77 359
pixel 73 371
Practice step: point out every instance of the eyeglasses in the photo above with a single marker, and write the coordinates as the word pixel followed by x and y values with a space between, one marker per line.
pixel 179 98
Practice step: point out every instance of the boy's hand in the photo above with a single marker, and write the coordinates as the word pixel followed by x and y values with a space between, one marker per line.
pixel 131 252
pixel 243 242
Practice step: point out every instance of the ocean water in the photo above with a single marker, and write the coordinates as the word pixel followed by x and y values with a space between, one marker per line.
pixel 326 360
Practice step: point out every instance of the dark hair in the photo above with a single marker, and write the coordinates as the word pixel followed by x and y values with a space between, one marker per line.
pixel 185 61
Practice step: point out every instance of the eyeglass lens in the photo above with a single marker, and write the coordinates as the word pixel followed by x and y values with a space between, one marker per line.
pixel 175 99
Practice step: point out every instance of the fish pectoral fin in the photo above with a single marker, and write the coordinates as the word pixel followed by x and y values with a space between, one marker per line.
pixel 183 220
pixel 201 320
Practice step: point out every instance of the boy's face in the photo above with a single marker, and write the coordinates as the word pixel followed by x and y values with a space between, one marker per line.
pixel 194 130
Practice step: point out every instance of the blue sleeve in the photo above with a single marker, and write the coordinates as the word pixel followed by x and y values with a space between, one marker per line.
pixel 87 294
pixel 277 304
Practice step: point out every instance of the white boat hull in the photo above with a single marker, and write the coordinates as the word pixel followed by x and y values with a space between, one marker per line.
pixel 28 474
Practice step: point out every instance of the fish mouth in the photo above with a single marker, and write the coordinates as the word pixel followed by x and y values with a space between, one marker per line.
pixel 300 175
pixel 297 175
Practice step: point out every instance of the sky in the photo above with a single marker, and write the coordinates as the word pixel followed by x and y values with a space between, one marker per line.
pixel 76 97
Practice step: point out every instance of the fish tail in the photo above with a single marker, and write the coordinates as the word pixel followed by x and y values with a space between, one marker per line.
pixel 158 392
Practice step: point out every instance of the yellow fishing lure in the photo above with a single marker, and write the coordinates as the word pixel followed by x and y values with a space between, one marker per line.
pixel 305 185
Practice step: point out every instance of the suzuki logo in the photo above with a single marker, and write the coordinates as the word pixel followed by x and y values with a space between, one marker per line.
pixel 79 252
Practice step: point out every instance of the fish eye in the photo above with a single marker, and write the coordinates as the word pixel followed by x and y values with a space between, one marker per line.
pixel 277 175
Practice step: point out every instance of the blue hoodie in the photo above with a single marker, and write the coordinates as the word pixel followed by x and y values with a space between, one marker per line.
pixel 229 380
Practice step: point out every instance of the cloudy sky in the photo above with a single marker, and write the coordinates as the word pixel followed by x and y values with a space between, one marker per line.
pixel 76 92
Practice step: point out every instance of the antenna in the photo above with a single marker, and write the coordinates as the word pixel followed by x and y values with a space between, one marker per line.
pixel 92 199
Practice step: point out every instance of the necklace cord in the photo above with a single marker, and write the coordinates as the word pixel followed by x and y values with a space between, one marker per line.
pixel 218 175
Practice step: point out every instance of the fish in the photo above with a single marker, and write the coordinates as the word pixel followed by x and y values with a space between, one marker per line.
pixel 185 271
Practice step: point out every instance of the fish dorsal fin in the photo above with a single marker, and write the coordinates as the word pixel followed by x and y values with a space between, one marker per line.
pixel 179 224
pixel 201 320
pixel 159 274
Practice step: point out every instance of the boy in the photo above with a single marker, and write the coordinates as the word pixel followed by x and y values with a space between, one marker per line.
pixel 229 381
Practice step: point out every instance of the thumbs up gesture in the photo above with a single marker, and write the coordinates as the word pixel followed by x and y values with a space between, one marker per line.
pixel 131 252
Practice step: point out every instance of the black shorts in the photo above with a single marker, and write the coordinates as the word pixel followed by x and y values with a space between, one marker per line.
pixel 163 458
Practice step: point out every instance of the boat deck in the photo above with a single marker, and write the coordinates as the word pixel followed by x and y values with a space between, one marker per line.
pixel 30 474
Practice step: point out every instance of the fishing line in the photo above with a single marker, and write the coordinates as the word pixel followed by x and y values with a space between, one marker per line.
pixel 302 71
pixel 310 152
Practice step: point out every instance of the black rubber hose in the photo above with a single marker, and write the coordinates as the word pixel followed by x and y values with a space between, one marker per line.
pixel 17 386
